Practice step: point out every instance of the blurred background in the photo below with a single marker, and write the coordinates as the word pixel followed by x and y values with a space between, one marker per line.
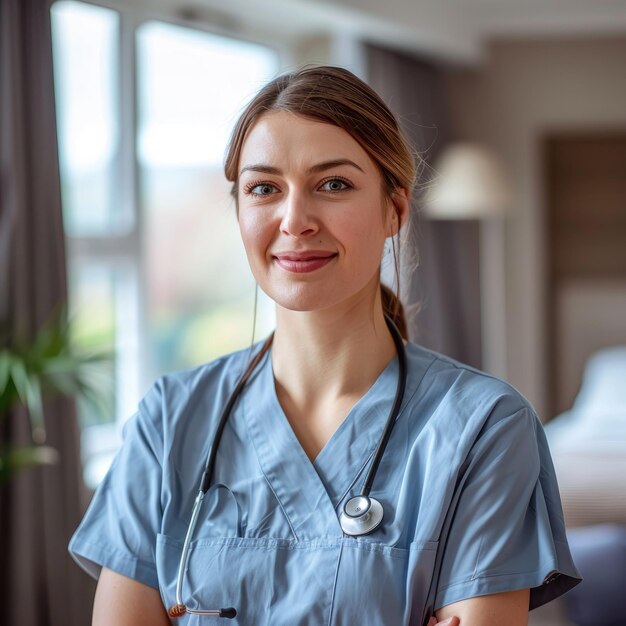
pixel 118 234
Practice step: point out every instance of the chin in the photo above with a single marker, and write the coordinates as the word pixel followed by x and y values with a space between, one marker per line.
pixel 303 305
pixel 302 298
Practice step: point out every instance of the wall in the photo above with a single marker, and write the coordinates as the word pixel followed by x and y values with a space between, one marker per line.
pixel 524 90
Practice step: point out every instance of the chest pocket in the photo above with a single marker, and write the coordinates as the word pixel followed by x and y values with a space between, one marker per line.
pixel 381 585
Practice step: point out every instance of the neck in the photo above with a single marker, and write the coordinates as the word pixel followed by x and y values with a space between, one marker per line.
pixel 319 356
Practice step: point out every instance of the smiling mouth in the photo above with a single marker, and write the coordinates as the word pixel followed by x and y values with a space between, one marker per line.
pixel 301 263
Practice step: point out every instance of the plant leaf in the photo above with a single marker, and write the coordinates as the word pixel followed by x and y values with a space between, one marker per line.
pixel 49 365
pixel 28 388
pixel 17 459
pixel 5 369
pixel 19 375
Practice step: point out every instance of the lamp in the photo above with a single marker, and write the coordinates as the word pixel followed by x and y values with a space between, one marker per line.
pixel 470 184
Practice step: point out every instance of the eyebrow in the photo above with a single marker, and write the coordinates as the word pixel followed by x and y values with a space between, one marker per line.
pixel 314 169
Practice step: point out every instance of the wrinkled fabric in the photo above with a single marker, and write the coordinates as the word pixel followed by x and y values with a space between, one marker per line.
pixel 466 448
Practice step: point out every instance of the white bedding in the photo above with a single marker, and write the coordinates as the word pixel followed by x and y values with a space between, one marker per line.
pixel 588 444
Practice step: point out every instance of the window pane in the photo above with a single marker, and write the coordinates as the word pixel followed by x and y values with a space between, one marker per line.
pixel 92 301
pixel 192 86
pixel 102 299
pixel 93 326
pixel 85 47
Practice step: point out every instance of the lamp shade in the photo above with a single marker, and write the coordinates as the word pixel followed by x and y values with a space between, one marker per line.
pixel 469 183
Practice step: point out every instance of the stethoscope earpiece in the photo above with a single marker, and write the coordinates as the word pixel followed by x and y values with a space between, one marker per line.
pixel 361 515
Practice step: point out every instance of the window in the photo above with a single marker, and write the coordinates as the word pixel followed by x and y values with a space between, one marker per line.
pixel 198 286
pixel 157 272
pixel 86 40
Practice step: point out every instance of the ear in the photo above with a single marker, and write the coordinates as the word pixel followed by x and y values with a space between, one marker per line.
pixel 398 211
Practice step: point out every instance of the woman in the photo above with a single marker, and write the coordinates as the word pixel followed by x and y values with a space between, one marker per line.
pixel 471 521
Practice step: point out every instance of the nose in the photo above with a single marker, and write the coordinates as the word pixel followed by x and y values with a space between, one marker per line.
pixel 298 219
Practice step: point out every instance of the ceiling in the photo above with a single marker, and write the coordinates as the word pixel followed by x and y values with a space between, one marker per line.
pixel 455 30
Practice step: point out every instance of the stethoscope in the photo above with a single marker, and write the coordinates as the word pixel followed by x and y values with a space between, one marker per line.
pixel 361 514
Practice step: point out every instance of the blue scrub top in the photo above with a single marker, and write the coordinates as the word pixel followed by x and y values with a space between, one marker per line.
pixel 466 482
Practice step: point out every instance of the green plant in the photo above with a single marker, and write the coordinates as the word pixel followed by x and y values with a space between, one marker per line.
pixel 46 366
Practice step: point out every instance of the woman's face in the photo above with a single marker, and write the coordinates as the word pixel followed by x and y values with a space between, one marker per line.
pixel 312 213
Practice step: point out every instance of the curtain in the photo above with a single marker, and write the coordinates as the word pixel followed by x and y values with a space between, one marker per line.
pixel 39 508
pixel 440 272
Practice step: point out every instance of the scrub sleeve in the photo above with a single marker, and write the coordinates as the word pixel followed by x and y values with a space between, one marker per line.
pixel 120 527
pixel 507 531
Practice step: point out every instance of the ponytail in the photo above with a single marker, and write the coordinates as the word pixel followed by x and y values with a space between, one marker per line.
pixel 394 309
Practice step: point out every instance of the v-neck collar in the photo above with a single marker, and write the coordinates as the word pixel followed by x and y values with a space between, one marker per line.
pixel 347 453
pixel 284 463
pixel 309 492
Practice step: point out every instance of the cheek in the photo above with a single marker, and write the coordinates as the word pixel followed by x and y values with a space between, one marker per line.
pixel 254 233
pixel 364 234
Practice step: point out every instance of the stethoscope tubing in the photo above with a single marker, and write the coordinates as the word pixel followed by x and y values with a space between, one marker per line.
pixel 395 410
pixel 184 555
pixel 207 474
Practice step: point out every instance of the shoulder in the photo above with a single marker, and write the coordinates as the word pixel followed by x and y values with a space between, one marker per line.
pixel 176 396
pixel 461 397
pixel 226 368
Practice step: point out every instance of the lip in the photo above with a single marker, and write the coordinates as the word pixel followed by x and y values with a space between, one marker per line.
pixel 304 261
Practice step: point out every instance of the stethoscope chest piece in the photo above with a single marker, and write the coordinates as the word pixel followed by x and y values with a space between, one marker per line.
pixel 361 515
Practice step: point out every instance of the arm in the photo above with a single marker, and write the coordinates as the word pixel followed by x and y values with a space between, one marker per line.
pixel 451 621
pixel 510 608
pixel 125 602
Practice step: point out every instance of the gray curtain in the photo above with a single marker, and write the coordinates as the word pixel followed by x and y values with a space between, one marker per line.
pixel 442 292
pixel 39 508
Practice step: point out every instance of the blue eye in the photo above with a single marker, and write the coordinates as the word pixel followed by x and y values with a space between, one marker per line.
pixel 260 189
pixel 335 184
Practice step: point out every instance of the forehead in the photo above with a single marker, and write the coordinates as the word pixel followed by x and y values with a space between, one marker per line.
pixel 284 139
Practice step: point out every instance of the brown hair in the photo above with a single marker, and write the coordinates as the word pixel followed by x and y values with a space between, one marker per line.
pixel 336 96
